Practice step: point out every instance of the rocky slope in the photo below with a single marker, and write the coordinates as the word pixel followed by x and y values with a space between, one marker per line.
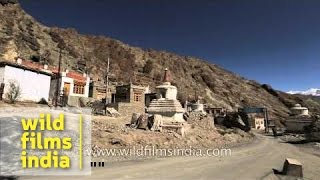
pixel 21 35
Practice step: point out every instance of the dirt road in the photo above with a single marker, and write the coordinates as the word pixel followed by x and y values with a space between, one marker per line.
pixel 254 161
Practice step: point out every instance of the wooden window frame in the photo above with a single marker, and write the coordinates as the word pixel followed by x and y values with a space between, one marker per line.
pixel 78 89
pixel 137 97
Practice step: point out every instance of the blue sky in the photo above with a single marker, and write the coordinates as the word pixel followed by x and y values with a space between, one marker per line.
pixel 271 41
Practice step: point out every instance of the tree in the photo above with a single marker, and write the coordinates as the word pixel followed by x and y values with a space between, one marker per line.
pixel 14 92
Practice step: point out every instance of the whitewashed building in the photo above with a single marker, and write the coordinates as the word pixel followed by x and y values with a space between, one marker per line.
pixel 73 85
pixel 32 78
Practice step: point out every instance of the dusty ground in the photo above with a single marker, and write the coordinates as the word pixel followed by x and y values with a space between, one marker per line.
pixel 20 104
pixel 252 161
pixel 113 133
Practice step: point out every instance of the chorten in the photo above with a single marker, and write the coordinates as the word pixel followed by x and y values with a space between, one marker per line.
pixel 298 110
pixel 166 103
pixel 299 119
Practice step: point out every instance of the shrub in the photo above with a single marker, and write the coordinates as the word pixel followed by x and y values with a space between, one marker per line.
pixel 14 92
pixel 148 67
pixel 35 58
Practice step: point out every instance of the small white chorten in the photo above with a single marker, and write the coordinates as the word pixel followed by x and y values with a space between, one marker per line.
pixel 166 103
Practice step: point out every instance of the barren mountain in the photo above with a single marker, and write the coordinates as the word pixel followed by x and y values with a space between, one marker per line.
pixel 21 35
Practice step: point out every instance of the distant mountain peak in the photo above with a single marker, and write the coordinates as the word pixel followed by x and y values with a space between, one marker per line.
pixel 311 91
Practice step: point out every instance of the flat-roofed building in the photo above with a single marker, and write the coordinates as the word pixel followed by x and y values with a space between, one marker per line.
pixel 32 78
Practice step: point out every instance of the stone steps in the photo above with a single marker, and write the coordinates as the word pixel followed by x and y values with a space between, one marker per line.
pixel 165 105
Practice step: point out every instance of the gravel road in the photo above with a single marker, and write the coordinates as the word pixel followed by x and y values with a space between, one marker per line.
pixel 253 161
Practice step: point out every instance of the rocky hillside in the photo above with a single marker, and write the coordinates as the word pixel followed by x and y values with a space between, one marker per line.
pixel 21 35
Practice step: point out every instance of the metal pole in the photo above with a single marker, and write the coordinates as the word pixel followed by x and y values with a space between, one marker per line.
pixel 58 79
pixel 107 81
pixel 266 120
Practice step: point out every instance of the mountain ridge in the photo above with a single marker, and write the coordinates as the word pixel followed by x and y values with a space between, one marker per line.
pixel 23 36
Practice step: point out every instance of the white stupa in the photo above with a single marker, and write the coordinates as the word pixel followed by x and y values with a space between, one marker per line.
pixel 299 119
pixel 298 110
pixel 166 103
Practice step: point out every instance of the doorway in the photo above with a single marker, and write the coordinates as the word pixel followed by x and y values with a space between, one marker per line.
pixel 66 88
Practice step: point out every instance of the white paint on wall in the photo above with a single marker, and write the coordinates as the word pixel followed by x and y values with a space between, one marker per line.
pixel 71 81
pixel 34 86
pixel 64 79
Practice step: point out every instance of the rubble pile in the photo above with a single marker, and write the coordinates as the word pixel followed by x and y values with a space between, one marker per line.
pixel 113 133
pixel 201 120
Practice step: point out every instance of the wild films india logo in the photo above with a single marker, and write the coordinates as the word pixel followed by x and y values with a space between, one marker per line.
pixel 51 145
pixel 45 143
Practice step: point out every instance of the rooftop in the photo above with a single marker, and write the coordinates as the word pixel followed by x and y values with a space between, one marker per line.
pixel 28 65
pixel 77 76
pixel 42 68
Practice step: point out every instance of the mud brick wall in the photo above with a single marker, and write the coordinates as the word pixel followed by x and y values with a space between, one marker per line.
pixel 127 109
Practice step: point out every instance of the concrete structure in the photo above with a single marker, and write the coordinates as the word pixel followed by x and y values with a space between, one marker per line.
pixel 195 107
pixel 256 112
pixel 298 110
pixel 292 167
pixel 73 85
pixel 97 90
pixel 298 120
pixel 149 97
pixel 129 99
pixel 215 111
pixel 166 103
pixel 32 78
pixel 257 123
pixel 297 124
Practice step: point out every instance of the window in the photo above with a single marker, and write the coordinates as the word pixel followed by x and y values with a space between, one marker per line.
pixel 137 97
pixel 78 89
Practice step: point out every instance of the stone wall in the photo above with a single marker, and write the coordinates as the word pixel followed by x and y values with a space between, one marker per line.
pixel 127 109
pixel 77 101
pixel 297 125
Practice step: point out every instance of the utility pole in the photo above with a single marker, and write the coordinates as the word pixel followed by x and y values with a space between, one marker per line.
pixel 107 80
pixel 58 79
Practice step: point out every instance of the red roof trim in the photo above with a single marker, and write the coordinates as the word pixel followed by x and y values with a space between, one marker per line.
pixel 77 76
pixel 29 65
pixel 34 66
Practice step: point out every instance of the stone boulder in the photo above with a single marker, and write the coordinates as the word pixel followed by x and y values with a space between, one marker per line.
pixel 238 120
pixel 292 167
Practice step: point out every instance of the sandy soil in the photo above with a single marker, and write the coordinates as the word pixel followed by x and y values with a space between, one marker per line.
pixel 253 161
pixel 113 133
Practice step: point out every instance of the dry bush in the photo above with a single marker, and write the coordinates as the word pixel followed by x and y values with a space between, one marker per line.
pixel 148 67
pixel 14 92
